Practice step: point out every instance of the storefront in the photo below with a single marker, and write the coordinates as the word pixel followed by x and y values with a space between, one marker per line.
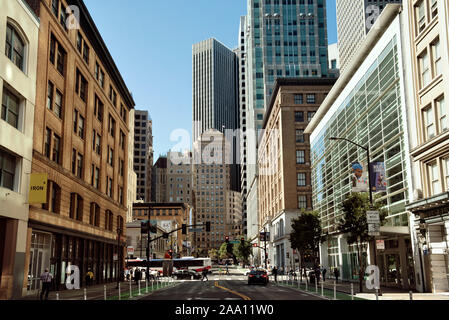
pixel 59 249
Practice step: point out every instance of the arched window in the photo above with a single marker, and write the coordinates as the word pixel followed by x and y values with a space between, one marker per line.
pixel 15 47
pixel 120 223
pixel 109 216
pixel 76 207
pixel 94 214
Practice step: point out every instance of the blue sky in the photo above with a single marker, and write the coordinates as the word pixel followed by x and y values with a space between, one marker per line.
pixel 151 43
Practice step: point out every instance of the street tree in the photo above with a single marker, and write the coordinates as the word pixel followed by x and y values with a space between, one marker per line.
pixel 213 254
pixel 306 237
pixel 223 251
pixel 355 225
pixel 243 251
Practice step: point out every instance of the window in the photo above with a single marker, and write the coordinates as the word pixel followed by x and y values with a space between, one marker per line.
pixel 47 144
pixel 15 47
pixel 420 12
pixel 55 7
pixel 54 198
pixel 111 126
pixel 300 156
pixel 75 120
pixel 7 170
pixel 299 99
pixel 310 98
pixel 94 218
pixel 110 156
pixel 86 53
pixel 301 179
pixel 300 135
pixel 113 96
pixel 424 69
pixel 63 17
pixel 123 112
pixel 58 104
pixel 120 195
pixel 302 202
pixel 442 114
pixel 76 207
pixel 50 91
pixel 446 173
pixel 79 166
pixel 122 140
pixel 109 187
pixel 56 156
pixel 434 176
pixel 434 8
pixel 310 115
pixel 109 220
pixel 81 127
pixel 74 161
pixel 429 123
pixel 437 60
pixel 98 109
pixel 81 86
pixel 10 108
pixel 299 116
pixel 96 143
pixel 57 54
pixel 121 167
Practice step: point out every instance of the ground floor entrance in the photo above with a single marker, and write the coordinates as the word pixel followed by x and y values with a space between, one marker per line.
pixel 58 251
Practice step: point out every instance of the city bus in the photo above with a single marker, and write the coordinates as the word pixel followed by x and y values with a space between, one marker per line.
pixel 191 263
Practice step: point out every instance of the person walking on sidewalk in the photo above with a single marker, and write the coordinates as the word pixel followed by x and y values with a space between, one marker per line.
pixel 324 274
pixel 205 275
pixel 46 278
pixel 137 276
pixel 275 273
pixel 89 278
pixel 336 274
pixel 317 274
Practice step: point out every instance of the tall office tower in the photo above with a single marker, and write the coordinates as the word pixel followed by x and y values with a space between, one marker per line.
pixel 159 180
pixel 242 67
pixel 211 182
pixel 179 177
pixel 354 20
pixel 215 93
pixel 284 39
pixel 132 176
pixel 143 153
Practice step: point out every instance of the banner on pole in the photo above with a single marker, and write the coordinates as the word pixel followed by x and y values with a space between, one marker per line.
pixel 359 177
pixel 378 179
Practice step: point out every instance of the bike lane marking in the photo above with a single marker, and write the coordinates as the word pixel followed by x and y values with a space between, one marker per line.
pixel 232 291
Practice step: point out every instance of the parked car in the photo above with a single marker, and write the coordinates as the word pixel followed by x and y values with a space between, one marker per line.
pixel 258 276
pixel 186 274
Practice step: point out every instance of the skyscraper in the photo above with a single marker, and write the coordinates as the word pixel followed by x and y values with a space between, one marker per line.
pixel 215 94
pixel 143 153
pixel 286 39
pixel 354 20
pixel 214 87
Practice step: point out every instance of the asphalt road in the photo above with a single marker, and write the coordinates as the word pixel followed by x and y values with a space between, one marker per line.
pixel 228 290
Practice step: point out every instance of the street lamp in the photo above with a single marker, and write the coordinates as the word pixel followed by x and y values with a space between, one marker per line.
pixel 119 232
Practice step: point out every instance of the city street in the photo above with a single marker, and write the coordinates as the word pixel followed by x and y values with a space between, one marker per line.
pixel 234 289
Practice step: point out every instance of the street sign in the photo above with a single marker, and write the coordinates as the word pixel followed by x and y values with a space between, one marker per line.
pixel 380 244
pixel 374 229
pixel 115 257
pixel 373 217
pixel 234 241
pixel 196 230
pixel 130 250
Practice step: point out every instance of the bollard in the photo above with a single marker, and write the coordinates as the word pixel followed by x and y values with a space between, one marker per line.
pixel 104 287
pixel 119 292
pixel 377 294
pixel 152 285
pixel 307 284
pixel 335 290
pixel 85 294
pixel 57 296
pixel 146 285
pixel 322 287
pixel 316 285
pixel 138 287
pixel 411 295
pixel 352 291
pixel 299 284
pixel 130 289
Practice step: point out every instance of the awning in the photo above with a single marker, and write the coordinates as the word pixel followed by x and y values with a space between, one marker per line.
pixel 438 201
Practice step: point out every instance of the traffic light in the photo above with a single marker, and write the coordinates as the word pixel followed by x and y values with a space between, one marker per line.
pixel 184 229
pixel 242 241
pixel 227 239
pixel 207 226
pixel 144 226
pixel 165 235
pixel 170 253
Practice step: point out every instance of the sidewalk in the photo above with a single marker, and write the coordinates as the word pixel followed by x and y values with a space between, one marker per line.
pixel 388 293
pixel 96 292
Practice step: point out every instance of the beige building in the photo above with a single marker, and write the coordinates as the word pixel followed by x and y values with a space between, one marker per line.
pixel 19 32
pixel 139 241
pixel 159 180
pixel 211 182
pixel 234 215
pixel 179 177
pixel 429 141
pixel 284 171
pixel 81 142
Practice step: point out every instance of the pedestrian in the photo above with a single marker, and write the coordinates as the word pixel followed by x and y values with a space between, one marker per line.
pixel 127 274
pixel 46 278
pixel 227 269
pixel 204 273
pixel 336 274
pixel 275 273
pixel 89 278
pixel 317 274
pixel 324 274
pixel 137 276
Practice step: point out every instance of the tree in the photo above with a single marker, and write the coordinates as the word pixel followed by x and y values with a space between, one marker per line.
pixel 354 223
pixel 213 254
pixel 223 251
pixel 243 252
pixel 306 236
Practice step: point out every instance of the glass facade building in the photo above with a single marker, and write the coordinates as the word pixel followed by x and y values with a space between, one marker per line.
pixel 367 106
